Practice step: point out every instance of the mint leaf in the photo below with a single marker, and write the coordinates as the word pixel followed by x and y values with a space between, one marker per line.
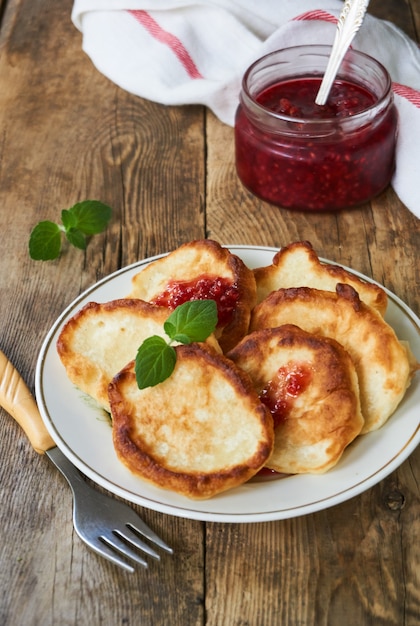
pixel 69 219
pixel 45 241
pixel 156 358
pixel 192 321
pixel 76 238
pixel 91 216
pixel 79 222
pixel 155 361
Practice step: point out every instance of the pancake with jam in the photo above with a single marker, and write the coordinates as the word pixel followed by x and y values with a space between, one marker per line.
pixel 384 365
pixel 200 432
pixel 202 269
pixel 297 265
pixel 310 385
pixel 100 339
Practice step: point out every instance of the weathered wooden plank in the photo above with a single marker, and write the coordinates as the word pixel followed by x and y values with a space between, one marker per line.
pixel 67 134
pixel 349 564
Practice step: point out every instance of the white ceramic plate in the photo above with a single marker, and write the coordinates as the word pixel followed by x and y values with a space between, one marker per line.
pixel 83 431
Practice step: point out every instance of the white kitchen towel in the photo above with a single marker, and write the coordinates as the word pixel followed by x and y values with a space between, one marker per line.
pixel 180 52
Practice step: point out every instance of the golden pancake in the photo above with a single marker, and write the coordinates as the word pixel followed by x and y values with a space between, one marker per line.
pixel 297 265
pixel 202 269
pixel 310 385
pixel 201 431
pixel 100 339
pixel 384 365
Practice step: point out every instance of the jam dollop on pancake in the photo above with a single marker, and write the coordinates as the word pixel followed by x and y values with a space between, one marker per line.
pixel 384 365
pixel 202 269
pixel 310 385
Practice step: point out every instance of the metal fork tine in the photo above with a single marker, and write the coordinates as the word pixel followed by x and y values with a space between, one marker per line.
pixel 142 528
pixel 104 550
pixel 116 543
pixel 128 534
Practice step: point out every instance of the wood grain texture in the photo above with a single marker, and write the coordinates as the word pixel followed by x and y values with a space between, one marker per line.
pixel 399 13
pixel 349 564
pixel 66 134
pixel 69 134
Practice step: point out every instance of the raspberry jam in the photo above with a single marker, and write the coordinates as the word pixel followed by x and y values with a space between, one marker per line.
pixel 221 290
pixel 298 155
pixel 296 98
pixel 282 390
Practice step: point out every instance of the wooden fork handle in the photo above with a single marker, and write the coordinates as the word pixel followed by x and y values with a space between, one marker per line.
pixel 18 401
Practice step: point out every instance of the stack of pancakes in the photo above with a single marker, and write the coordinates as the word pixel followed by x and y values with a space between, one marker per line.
pixel 301 363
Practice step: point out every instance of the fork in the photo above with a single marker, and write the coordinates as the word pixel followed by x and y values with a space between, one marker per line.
pixel 108 526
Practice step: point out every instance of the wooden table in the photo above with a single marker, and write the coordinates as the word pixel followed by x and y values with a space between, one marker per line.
pixel 67 134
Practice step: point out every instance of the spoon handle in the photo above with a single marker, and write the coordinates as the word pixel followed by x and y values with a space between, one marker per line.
pixel 348 24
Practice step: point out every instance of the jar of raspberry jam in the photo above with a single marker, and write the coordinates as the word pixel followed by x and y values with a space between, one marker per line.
pixel 296 154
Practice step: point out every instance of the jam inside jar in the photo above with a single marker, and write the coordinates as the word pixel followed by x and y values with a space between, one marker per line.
pixel 298 155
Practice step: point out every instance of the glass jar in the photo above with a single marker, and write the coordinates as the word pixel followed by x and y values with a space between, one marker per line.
pixel 298 155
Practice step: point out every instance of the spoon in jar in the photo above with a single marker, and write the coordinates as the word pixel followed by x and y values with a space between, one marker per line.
pixel 349 22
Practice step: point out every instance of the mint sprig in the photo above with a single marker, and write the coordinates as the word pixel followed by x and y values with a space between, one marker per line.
pixel 156 357
pixel 78 223
pixel 155 361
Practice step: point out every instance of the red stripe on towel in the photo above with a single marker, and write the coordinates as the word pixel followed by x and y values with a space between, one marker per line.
pixel 169 40
pixel 316 15
pixel 408 93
